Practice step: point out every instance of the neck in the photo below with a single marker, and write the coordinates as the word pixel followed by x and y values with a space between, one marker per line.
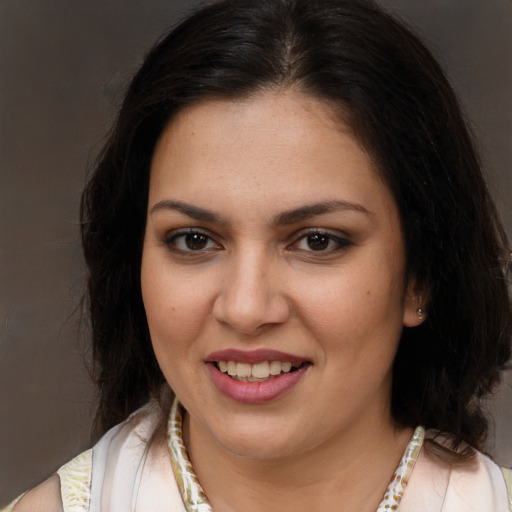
pixel 349 472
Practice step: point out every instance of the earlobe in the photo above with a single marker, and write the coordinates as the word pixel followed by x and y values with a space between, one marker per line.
pixel 414 305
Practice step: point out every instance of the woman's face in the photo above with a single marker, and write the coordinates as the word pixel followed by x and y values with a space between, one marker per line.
pixel 273 275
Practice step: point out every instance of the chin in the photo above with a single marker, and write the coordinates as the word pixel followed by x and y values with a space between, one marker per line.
pixel 262 449
pixel 262 443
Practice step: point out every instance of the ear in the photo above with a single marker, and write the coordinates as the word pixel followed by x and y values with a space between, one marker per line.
pixel 415 303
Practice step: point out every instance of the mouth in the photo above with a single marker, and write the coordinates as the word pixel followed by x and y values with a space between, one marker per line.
pixel 258 372
pixel 256 376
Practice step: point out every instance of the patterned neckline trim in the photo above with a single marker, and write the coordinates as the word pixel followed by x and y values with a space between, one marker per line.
pixel 195 499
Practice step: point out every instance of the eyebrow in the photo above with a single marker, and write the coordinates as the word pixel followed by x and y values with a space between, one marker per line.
pixel 190 210
pixel 311 210
pixel 282 219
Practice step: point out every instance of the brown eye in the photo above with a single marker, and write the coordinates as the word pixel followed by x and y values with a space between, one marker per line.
pixel 318 242
pixel 190 241
pixel 322 242
pixel 196 241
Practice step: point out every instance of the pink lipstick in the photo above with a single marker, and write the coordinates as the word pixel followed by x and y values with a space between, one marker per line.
pixel 252 356
pixel 255 376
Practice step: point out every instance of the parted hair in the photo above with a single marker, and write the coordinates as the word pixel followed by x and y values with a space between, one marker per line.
pixel 382 82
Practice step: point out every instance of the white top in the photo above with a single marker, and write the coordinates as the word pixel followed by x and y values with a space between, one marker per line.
pixel 132 470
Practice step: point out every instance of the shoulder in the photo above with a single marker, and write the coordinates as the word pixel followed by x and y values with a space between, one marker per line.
pixel 116 457
pixel 134 460
pixel 67 490
pixel 43 498
pixel 475 485
pixel 128 440
pixel 481 484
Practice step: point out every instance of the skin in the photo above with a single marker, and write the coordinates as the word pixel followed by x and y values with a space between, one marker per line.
pixel 43 498
pixel 257 283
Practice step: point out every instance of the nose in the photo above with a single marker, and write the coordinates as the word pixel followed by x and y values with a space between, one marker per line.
pixel 251 297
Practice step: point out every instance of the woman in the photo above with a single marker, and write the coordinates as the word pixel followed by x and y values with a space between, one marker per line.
pixel 289 229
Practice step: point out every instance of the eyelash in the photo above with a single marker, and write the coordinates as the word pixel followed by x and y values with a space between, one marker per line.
pixel 340 243
pixel 171 238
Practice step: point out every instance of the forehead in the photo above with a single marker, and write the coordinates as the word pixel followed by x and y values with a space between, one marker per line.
pixel 283 116
pixel 281 146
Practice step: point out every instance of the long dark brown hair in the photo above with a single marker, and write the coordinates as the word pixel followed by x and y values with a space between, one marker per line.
pixel 396 98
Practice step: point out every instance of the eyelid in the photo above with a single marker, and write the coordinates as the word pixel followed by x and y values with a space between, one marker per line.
pixel 172 235
pixel 341 239
pixel 168 235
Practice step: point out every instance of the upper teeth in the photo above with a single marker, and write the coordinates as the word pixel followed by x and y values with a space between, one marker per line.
pixel 261 370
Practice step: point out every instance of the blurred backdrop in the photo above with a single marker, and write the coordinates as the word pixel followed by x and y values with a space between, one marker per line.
pixel 65 65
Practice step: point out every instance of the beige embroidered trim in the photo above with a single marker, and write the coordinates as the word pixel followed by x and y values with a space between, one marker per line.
pixel 195 499
pixel 507 475
pixel 75 483
pixel 191 492
pixel 396 488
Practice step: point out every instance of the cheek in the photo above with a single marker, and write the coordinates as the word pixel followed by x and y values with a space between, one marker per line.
pixel 352 302
pixel 176 308
pixel 355 309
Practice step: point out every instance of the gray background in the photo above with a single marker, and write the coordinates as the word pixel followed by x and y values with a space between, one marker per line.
pixel 64 64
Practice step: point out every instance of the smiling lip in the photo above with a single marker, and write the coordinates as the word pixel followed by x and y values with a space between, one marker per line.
pixel 255 392
pixel 253 356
